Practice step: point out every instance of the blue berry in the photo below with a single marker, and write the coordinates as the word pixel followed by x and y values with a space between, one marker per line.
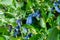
pixel 29 20
pixel 57 9
pixel 36 14
pixel 56 4
pixel 17 27
pixel 25 31
pixel 15 32
pixel 28 36
pixel 18 22
pixel 52 9
pixel 58 1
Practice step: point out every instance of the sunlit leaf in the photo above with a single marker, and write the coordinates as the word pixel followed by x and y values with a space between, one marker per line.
pixel 42 23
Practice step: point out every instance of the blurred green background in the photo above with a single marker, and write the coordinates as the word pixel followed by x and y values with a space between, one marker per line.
pixel 47 27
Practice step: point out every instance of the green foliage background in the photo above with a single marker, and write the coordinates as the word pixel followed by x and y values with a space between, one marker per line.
pixel 11 10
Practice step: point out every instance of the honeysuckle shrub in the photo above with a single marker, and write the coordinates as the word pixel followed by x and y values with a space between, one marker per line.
pixel 29 19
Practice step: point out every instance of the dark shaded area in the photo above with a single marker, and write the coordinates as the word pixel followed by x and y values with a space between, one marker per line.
pixel 48 25
pixel 24 5
pixel 23 21
pixel 7 15
pixel 3 7
pixel 19 34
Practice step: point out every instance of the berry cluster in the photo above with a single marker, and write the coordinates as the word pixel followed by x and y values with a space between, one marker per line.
pixel 17 30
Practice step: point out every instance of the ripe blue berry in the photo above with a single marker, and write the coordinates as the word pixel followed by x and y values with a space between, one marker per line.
pixel 28 36
pixel 15 32
pixel 24 31
pixel 56 4
pixel 57 9
pixel 17 27
pixel 36 14
pixel 59 1
pixel 18 22
pixel 29 20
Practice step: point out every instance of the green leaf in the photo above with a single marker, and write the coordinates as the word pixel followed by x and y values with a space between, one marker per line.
pixel 53 34
pixel 31 28
pixel 42 23
pixel 58 20
pixel 6 2
pixel 3 30
pixel 2 38
pixel 14 3
pixel 8 15
pixel 35 37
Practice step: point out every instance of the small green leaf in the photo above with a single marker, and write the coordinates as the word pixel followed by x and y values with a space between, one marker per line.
pixel 42 23
pixel 58 20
